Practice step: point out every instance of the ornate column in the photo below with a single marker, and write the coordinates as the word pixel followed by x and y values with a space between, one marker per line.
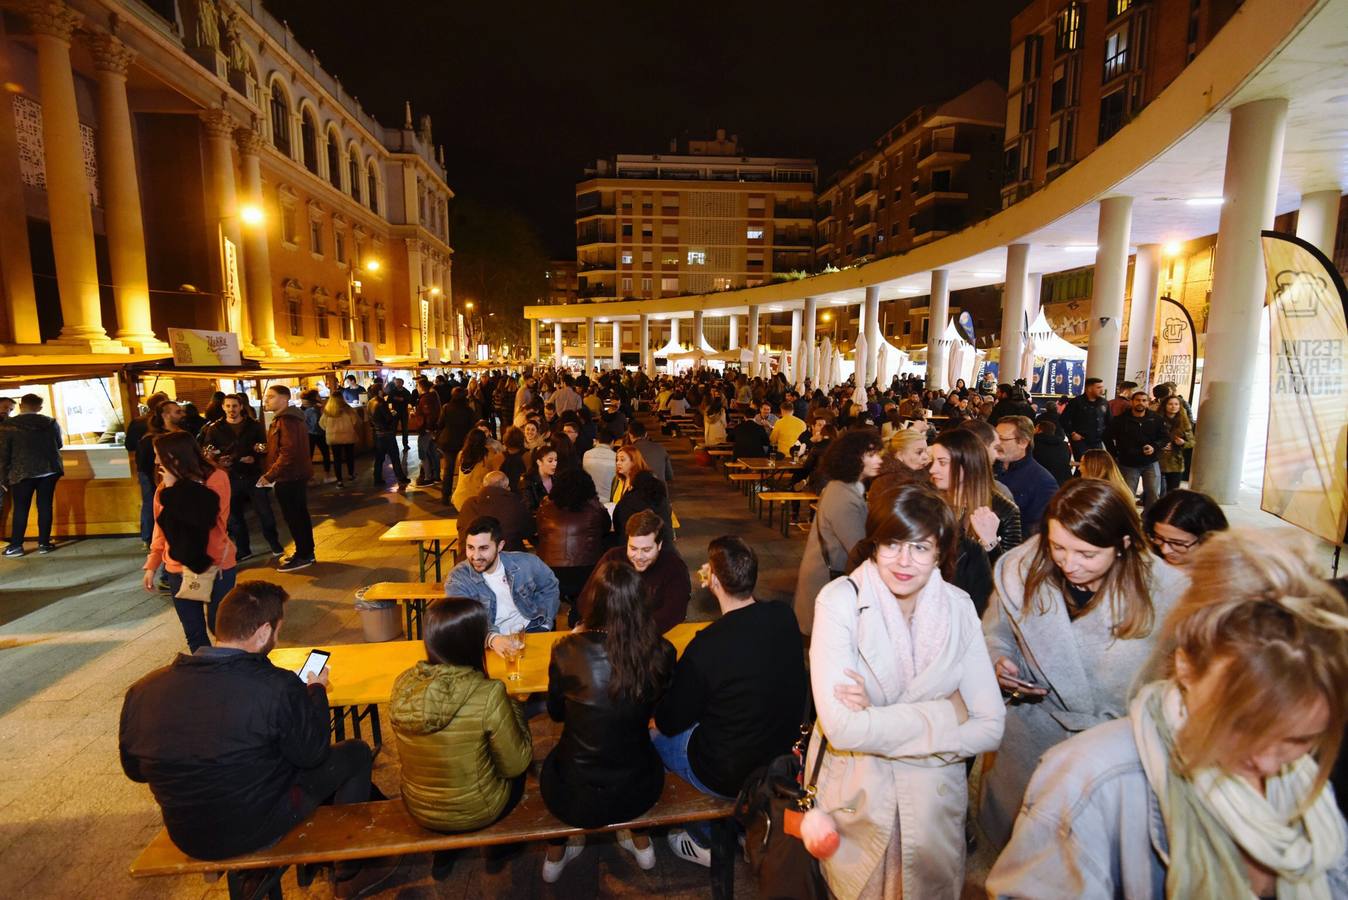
pixel 121 197
pixel 72 221
pixel 256 252
pixel 16 262
pixel 223 208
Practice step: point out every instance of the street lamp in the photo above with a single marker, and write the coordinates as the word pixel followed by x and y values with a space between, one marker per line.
pixel 353 287
pixel 251 215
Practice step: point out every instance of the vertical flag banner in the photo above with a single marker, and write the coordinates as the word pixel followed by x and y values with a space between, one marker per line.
pixel 1306 465
pixel 1176 350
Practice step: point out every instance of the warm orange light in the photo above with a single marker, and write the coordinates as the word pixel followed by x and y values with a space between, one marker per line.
pixel 251 214
pixel 372 265
pixel 828 317
pixel 435 292
pixel 1172 248
pixel 468 305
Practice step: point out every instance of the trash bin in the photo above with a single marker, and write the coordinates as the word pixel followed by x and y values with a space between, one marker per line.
pixel 381 620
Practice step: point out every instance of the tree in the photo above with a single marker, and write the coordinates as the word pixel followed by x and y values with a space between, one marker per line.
pixel 499 265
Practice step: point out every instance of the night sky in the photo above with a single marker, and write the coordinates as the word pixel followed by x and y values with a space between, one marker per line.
pixel 524 95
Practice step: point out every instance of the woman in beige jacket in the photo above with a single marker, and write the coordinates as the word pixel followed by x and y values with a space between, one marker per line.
pixel 905 692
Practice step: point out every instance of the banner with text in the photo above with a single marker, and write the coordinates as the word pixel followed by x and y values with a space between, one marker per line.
pixel 1306 464
pixel 1176 348
pixel 193 347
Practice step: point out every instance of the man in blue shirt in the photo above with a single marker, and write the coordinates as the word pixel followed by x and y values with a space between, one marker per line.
pixel 1031 485
pixel 518 589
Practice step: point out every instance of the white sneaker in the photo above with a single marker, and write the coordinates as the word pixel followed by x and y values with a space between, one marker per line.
pixel 553 870
pixel 645 857
pixel 685 847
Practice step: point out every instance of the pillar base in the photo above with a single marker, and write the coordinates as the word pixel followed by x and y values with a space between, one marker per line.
pixel 71 345
pixel 148 345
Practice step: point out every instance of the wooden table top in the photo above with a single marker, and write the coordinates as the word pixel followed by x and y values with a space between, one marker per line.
pixel 422 530
pixel 762 463
pixel 364 673
pixel 405 590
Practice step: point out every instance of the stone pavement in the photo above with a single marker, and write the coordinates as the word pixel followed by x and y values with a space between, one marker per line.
pixel 76 629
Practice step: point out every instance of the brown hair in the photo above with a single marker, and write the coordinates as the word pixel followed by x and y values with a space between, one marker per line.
pixel 620 606
pixel 1256 607
pixel 180 454
pixel 1096 512
pixel 643 523
pixel 456 633
pixel 638 461
pixel 970 475
pixel 249 606
pixel 1098 464
pixel 1024 427
pixel 912 512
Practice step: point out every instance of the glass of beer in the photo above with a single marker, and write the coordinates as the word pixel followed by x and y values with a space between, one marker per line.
pixel 514 653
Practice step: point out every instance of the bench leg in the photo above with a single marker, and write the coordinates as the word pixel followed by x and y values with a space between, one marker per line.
pixel 723 846
pixel 255 884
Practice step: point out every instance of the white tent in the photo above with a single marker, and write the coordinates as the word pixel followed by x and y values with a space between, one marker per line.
pixel 864 376
pixel 742 355
pixel 891 361
pixel 784 365
pixel 1048 344
pixel 836 372
pixel 670 348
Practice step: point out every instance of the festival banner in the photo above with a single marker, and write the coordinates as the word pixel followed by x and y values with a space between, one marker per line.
pixel 361 354
pixel 194 347
pixel 1176 350
pixel 1306 460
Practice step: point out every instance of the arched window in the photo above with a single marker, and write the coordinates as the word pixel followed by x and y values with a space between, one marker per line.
pixel 373 190
pixel 309 141
pixel 280 119
pixel 354 166
pixel 335 159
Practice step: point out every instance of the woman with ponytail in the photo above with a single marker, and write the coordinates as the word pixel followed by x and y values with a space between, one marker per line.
pixel 1214 784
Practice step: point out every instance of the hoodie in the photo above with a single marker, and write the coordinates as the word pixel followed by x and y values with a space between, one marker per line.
pixel 30 447
pixel 288 455
pixel 461 742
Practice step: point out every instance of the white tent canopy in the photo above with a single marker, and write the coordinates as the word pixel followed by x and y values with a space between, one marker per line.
pixel 670 348
pixel 1048 344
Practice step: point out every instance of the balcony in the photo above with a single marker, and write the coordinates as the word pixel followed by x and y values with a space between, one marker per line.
pixel 594 211
pixel 1116 66
pixel 861 217
pixel 792 240
pixel 792 211
pixel 590 236
pixel 598 265
pixel 936 197
pixel 595 291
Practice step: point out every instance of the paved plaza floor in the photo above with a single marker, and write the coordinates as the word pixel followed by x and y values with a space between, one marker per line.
pixel 76 629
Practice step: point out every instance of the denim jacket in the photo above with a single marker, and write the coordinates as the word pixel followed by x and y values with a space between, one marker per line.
pixel 1091 827
pixel 531 582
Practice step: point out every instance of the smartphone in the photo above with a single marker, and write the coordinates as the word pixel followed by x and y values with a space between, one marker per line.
pixel 1025 684
pixel 314 665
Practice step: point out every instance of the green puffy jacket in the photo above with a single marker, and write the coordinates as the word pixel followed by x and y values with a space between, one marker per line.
pixel 461 741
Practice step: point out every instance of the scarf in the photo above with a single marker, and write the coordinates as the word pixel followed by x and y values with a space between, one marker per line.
pixel 1211 817
pixel 924 646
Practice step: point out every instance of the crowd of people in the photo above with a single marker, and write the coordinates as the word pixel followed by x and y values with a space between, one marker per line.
pixel 1152 702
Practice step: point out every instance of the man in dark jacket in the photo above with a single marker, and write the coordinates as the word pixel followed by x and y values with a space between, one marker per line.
pixel 1010 402
pixel 750 439
pixel 428 411
pixel 1138 436
pixel 497 500
pixel 456 420
pixel 289 467
pixel 233 443
pixel 1032 486
pixel 30 466
pixel 237 779
pixel 1086 418
pixel 399 401
pixel 1051 450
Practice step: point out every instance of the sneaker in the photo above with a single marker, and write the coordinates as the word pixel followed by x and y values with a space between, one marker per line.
pixel 46 548
pixel 645 858
pixel 294 563
pixel 328 479
pixel 340 485
pixel 368 879
pixel 14 550
pixel 278 551
pixel 553 870
pixel 685 847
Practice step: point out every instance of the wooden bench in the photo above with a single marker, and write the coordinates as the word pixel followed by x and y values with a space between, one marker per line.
pixel 385 828
pixel 783 497
pixel 413 595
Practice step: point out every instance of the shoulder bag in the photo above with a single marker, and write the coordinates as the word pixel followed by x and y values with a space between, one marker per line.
pixel 198 585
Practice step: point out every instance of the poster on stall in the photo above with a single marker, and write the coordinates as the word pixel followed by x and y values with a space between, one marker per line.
pixel 433 356
pixel 194 347
pixel 362 355
pixel 1065 376
pixel 1176 348
pixel 1306 459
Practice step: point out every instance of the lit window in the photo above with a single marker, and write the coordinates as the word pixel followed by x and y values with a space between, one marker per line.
pixel 669 285
pixel 754 234
pixel 627 286
pixel 627 257
pixel 697 257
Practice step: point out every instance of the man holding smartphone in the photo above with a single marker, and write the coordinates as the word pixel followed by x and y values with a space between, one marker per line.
pixel 238 779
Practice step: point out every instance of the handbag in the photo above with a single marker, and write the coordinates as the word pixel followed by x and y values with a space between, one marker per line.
pixel 198 585
pixel 769 808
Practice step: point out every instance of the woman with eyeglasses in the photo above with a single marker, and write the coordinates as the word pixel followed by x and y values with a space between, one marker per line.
pixel 1213 783
pixel 905 692
pixel 1180 521
pixel 1071 628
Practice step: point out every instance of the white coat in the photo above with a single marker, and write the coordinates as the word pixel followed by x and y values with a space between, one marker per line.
pixel 899 763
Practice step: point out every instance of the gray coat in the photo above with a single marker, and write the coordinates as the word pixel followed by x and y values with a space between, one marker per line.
pixel 30 447
pixel 838 525
pixel 1092 828
pixel 1089 676
pixel 657 458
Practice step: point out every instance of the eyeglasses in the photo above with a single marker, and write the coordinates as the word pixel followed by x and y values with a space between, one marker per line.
pixel 920 552
pixel 1178 546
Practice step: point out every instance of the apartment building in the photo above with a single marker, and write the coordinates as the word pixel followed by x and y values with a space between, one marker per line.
pixel 932 174
pixel 1082 69
pixel 562 282
pixel 700 218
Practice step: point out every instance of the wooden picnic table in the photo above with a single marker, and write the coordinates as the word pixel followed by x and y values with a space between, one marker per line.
pixel 362 675
pixel 428 535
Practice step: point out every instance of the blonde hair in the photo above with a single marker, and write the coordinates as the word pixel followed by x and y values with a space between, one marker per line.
pixel 1256 607
pixel 1100 465
pixel 901 440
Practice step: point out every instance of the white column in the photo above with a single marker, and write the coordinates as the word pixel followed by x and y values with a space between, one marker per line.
pixel 795 333
pixel 697 330
pixel 69 211
pixel 1250 188
pixel 1111 278
pixel 1033 284
pixel 645 338
pixel 1142 313
pixel 753 337
pixel 1319 219
pixel 557 348
pixel 870 323
pixel 588 339
pixel 938 310
pixel 257 283
pixel 1013 312
pixel 734 342
pixel 617 345
pixel 809 316
pixel 533 342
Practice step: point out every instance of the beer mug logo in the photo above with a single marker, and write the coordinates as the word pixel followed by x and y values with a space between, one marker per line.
pixel 1299 293
pixel 1173 331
